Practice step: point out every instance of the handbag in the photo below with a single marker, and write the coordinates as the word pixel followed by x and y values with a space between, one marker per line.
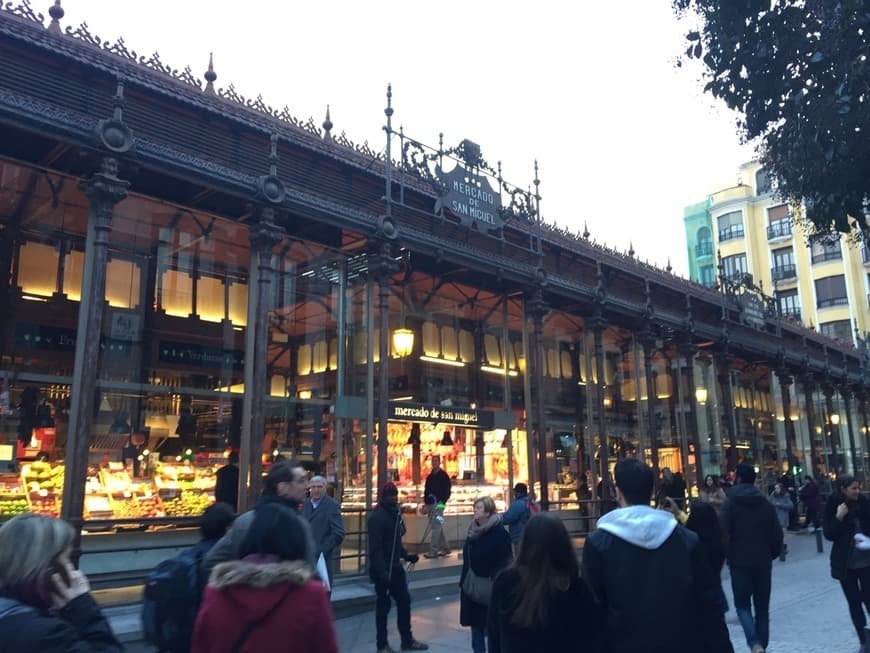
pixel 477 588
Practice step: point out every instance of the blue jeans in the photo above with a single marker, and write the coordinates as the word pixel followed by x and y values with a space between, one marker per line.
pixel 752 585
pixel 478 639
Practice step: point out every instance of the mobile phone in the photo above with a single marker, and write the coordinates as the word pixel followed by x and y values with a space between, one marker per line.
pixel 56 567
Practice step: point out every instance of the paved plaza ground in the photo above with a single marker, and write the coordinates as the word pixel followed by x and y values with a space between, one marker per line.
pixel 808 613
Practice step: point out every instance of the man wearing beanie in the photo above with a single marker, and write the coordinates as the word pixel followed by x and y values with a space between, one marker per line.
pixel 385 553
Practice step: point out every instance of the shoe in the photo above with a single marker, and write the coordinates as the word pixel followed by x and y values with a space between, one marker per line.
pixel 445 552
pixel 414 645
pixel 430 555
pixel 757 648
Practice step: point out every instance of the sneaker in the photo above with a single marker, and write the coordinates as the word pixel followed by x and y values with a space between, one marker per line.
pixel 430 555
pixel 445 552
pixel 757 648
pixel 414 645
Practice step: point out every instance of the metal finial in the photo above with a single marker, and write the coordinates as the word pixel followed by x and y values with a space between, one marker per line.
pixel 630 249
pixel 273 155
pixel 56 12
pixel 210 75
pixel 118 101
pixel 586 233
pixel 327 126
pixel 669 269
pixel 388 112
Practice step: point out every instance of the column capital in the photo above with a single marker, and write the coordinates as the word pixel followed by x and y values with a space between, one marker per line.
pixel 264 233
pixel 381 259
pixel 536 305
pixel 104 190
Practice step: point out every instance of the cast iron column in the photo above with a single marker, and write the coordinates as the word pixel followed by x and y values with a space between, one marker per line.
pixel 846 393
pixel 724 377
pixel 598 326
pixel 264 234
pixel 688 350
pixel 537 308
pixel 104 191
pixel 648 342
pixel 383 266
pixel 785 381
pixel 829 428
pixel 809 385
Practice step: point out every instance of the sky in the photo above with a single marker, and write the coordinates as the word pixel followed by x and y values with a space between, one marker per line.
pixel 623 138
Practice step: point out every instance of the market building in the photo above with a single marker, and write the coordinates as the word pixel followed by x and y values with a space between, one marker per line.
pixel 184 270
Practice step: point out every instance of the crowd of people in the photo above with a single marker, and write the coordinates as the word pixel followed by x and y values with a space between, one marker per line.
pixel 262 579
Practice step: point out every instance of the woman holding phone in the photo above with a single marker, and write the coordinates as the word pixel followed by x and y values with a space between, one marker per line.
pixel 45 603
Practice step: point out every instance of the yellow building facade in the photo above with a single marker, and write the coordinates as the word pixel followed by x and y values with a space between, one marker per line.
pixel 745 228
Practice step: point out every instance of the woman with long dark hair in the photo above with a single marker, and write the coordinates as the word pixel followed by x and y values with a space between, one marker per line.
pixel 540 603
pixel 704 522
pixel 270 599
pixel 847 520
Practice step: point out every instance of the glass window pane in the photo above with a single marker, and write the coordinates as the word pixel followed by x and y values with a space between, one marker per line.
pixel 37 269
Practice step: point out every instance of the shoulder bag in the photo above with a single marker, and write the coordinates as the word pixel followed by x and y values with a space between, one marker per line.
pixel 477 588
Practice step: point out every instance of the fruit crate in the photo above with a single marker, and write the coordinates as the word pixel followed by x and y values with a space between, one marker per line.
pixel 13 498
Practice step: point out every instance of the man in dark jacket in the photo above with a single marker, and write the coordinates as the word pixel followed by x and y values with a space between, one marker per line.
pixel 645 570
pixel 754 539
pixel 226 487
pixel 518 513
pixel 385 531
pixel 324 515
pixel 436 494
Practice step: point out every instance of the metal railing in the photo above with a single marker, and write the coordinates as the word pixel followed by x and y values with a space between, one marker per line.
pixel 827 255
pixel 832 301
pixel 729 233
pixel 704 249
pixel 783 272
pixel 779 229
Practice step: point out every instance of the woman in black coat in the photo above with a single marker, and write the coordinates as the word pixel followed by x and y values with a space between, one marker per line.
pixel 45 604
pixel 704 522
pixel 847 514
pixel 486 552
pixel 540 604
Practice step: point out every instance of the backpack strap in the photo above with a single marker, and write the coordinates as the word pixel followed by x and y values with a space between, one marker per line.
pixel 249 627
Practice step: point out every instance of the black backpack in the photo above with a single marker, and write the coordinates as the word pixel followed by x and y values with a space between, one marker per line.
pixel 172 595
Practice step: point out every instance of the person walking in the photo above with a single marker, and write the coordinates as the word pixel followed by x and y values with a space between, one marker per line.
pixel 518 513
pixel 269 599
pixel 809 496
pixel 644 569
pixel 782 503
pixel 327 527
pixel 712 494
pixel 754 538
pixel 385 553
pixel 45 603
pixel 847 519
pixel 540 604
pixel 285 484
pixel 486 552
pixel 226 485
pixel 704 522
pixel 436 493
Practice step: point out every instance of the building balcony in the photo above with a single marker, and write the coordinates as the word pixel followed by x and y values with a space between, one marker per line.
pixel 779 229
pixel 784 272
pixel 730 233
pixel 704 249
pixel 793 314
pixel 822 257
pixel 832 301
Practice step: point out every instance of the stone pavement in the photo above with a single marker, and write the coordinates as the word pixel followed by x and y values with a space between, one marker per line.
pixel 807 609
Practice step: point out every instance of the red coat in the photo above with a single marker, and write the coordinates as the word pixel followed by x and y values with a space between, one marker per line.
pixel 241 591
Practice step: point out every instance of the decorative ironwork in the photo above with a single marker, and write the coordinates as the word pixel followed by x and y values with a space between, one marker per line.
pixel 25 11
pixel 83 33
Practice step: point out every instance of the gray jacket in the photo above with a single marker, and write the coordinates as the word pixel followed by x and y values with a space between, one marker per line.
pixel 229 546
pixel 326 524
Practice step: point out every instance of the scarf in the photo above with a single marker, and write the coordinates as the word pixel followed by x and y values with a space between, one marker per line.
pixel 475 530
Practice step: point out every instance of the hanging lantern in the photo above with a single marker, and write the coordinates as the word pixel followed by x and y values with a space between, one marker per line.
pixel 446 441
pixel 701 395
pixel 403 342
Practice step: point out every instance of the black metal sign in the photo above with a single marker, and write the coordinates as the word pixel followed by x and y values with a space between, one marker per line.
pixel 471 198
pixel 401 411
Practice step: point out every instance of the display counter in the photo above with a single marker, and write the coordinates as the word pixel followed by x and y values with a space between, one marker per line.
pixel 462 497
